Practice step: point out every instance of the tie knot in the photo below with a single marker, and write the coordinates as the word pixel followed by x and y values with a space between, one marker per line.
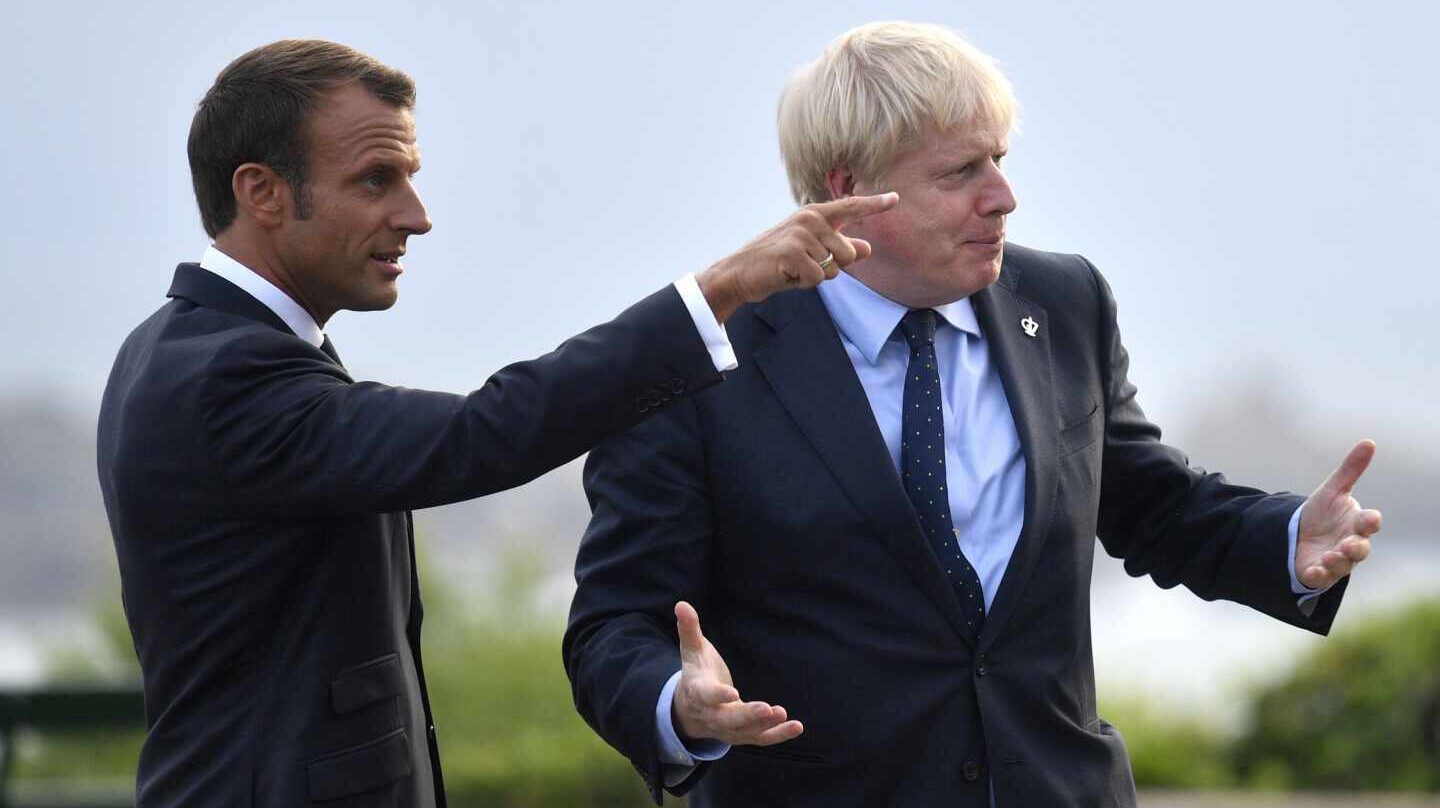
pixel 328 348
pixel 918 326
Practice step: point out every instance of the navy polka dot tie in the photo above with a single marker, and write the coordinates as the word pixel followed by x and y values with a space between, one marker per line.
pixel 922 463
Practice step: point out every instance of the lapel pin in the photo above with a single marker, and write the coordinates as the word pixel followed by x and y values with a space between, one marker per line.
pixel 1029 326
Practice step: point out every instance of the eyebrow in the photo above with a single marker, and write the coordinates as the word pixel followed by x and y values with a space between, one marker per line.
pixel 954 161
pixel 389 162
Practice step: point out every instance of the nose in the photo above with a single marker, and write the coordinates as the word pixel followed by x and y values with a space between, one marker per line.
pixel 997 199
pixel 412 217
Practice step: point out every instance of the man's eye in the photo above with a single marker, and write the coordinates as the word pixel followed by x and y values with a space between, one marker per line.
pixel 998 159
pixel 375 180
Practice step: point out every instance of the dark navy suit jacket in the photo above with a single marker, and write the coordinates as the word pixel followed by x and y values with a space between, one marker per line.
pixel 772 504
pixel 259 500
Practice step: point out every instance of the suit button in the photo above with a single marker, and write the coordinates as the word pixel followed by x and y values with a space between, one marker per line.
pixel 971 771
pixel 981 671
pixel 430 730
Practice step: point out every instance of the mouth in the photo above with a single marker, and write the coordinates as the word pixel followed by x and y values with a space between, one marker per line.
pixel 991 242
pixel 390 260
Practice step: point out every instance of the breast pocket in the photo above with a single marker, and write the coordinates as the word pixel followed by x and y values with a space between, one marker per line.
pixel 366 684
pixel 1081 432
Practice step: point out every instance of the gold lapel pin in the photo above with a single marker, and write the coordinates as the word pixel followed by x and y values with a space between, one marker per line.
pixel 1029 326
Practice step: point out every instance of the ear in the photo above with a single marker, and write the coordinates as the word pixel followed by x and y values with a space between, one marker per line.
pixel 840 182
pixel 261 194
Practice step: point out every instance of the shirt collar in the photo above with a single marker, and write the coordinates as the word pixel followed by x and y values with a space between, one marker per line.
pixel 867 318
pixel 270 295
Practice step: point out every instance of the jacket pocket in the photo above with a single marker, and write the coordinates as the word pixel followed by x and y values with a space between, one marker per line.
pixel 1080 434
pixel 367 683
pixel 360 768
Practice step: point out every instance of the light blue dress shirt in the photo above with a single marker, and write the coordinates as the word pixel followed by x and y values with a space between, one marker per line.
pixel 984 463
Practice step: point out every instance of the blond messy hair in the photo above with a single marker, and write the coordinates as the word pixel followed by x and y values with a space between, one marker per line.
pixel 872 94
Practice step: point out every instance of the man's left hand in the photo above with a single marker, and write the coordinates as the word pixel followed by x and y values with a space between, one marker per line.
pixel 1335 531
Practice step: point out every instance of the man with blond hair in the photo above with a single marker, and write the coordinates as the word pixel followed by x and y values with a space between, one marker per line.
pixel 888 513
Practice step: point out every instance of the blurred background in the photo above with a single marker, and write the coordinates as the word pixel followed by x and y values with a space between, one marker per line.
pixel 1258 181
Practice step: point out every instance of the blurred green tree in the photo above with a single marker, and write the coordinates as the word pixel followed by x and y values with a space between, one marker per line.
pixel 1169 749
pixel 1362 712
pixel 509 733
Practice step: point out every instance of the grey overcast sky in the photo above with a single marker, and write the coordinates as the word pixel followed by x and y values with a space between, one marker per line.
pixel 1258 180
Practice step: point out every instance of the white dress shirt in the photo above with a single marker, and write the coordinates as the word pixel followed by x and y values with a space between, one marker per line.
pixel 273 298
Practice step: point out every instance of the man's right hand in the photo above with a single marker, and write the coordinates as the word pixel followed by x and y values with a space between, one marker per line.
pixel 707 705
pixel 789 255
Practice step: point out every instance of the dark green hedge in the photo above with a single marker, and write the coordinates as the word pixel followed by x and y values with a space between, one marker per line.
pixel 1360 713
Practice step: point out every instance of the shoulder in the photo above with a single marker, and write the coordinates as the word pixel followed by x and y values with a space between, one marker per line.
pixel 755 324
pixel 184 345
pixel 1047 277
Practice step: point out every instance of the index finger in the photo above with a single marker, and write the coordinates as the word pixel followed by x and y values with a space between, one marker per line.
pixel 840 212
pixel 1354 464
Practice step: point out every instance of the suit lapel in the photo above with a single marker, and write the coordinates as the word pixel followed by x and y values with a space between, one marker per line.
pixel 1025 372
pixel 204 288
pixel 806 365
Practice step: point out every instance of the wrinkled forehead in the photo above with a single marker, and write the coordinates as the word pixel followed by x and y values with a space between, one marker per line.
pixel 982 121
pixel 969 125
pixel 352 114
pixel 956 143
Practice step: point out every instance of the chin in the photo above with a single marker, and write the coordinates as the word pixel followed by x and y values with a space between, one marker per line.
pixel 992 272
pixel 973 278
pixel 378 302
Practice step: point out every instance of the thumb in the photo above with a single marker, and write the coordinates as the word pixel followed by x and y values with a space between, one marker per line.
pixel 862 248
pixel 687 624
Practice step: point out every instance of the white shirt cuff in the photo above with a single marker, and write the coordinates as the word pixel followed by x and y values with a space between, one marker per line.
pixel 678 759
pixel 711 331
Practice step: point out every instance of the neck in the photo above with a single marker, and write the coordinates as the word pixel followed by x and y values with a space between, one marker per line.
pixel 880 282
pixel 261 260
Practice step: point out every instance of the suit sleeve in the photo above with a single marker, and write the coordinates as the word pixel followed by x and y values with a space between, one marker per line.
pixel 647 546
pixel 291 435
pixel 1182 525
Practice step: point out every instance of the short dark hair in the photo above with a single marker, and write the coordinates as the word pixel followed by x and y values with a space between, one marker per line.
pixel 257 112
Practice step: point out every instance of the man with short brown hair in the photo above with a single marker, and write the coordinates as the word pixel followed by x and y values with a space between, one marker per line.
pixel 259 497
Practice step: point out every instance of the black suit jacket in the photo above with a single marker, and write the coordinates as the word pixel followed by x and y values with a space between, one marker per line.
pixel 259 500
pixel 771 503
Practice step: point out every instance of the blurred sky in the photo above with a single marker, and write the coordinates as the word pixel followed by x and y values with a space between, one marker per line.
pixel 1258 180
